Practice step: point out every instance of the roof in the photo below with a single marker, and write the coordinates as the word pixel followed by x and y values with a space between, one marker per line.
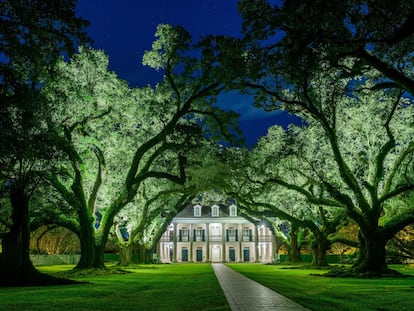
pixel 188 211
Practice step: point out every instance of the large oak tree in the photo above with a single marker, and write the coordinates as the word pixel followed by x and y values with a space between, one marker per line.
pixel 355 154
pixel 123 137
pixel 32 35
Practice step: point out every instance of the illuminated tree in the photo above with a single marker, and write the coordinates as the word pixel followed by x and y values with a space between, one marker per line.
pixel 278 154
pixel 123 137
pixel 359 55
pixel 140 225
pixel 32 36
pixel 357 149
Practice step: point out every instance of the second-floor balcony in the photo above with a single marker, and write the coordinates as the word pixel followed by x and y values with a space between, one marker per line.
pixel 247 238
pixel 199 238
pixel 265 238
pixel 218 238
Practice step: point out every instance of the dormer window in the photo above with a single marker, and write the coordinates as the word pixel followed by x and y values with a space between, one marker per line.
pixel 197 210
pixel 233 210
pixel 215 211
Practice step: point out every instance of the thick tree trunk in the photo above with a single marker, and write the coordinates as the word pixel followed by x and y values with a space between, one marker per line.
pixel 319 249
pixel 125 254
pixel 87 241
pixel 100 243
pixel 16 268
pixel 144 255
pixel 372 257
pixel 294 249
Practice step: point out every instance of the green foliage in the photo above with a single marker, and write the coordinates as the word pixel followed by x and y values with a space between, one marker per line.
pixel 348 78
pixel 292 41
pixel 124 142
pixel 33 35
pixel 166 50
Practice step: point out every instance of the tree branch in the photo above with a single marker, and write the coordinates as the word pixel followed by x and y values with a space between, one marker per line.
pixel 98 180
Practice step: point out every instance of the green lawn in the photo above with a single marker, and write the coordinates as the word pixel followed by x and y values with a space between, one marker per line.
pixel 322 293
pixel 158 287
pixel 194 287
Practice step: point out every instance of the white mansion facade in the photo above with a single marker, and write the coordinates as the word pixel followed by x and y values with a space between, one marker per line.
pixel 215 234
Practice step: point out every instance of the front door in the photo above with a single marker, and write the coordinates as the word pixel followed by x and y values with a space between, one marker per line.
pixel 215 254
pixel 246 254
pixel 232 254
pixel 184 254
pixel 199 254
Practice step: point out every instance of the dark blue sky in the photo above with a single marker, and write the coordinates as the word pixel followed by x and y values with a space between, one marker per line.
pixel 124 29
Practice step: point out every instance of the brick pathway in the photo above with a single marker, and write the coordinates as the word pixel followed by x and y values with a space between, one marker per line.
pixel 243 293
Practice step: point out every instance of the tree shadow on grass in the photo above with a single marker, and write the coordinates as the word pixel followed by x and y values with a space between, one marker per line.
pixel 35 279
pixel 350 272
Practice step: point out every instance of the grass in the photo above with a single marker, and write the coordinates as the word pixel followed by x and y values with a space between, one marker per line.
pixel 327 294
pixel 157 287
pixel 194 287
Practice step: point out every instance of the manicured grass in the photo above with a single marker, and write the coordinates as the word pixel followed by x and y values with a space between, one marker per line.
pixel 323 293
pixel 194 287
pixel 157 287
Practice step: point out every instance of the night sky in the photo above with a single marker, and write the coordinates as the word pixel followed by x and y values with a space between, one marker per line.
pixel 124 29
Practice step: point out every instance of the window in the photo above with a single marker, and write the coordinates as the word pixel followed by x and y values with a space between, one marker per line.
pixel 231 235
pixel 183 235
pixel 215 211
pixel 199 235
pixel 233 210
pixel 247 234
pixel 197 210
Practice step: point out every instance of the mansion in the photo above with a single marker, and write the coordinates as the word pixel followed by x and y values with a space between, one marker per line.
pixel 215 234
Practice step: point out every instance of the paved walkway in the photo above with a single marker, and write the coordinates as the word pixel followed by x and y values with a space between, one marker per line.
pixel 243 293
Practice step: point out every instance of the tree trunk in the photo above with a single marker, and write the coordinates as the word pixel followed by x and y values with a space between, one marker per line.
pixel 16 268
pixel 87 240
pixel 144 254
pixel 372 257
pixel 319 248
pixel 125 254
pixel 294 249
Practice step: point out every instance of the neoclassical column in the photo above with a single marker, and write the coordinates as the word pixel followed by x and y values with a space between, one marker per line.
pixel 159 249
pixel 190 240
pixel 273 246
pixel 256 243
pixel 207 235
pixel 223 238
pixel 239 239
pixel 175 244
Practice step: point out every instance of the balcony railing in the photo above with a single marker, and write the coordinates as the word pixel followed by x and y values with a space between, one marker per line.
pixel 216 238
pixel 265 238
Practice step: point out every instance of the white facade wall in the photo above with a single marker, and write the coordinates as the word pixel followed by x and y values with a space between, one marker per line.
pixel 216 239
